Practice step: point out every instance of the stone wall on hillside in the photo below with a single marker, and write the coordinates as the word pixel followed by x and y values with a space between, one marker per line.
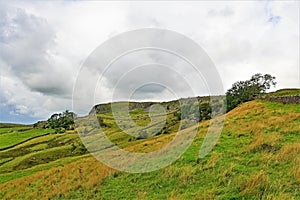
pixel 284 99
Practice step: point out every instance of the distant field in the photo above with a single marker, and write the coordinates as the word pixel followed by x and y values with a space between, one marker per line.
pixel 10 125
pixel 12 129
pixel 285 92
pixel 8 139
pixel 39 153
pixel 6 127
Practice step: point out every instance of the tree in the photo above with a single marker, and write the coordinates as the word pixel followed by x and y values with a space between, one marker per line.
pixel 53 121
pixel 62 121
pixel 243 91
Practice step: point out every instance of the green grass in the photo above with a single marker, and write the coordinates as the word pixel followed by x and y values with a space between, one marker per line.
pixel 13 129
pixel 10 125
pixel 256 157
pixel 34 141
pixel 142 119
pixel 279 108
pixel 285 92
pixel 35 158
pixel 39 154
pixel 13 138
pixel 5 177
pixel 232 171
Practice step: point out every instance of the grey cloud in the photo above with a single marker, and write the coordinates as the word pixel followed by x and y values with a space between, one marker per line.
pixel 26 42
pixel 128 73
pixel 151 88
pixel 151 66
pixel 41 51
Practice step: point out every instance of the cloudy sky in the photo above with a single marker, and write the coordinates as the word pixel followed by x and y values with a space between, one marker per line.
pixel 44 44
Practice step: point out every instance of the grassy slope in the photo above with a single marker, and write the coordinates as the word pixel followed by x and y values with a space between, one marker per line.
pixel 39 154
pixel 12 129
pixel 256 157
pixel 285 92
pixel 8 139
pixel 10 125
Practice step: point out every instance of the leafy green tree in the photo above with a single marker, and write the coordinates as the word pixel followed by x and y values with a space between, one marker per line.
pixel 62 121
pixel 243 91
pixel 53 121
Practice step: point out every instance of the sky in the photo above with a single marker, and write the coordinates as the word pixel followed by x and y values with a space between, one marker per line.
pixel 43 46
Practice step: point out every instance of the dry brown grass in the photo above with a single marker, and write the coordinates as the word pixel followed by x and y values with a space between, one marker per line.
pixel 213 160
pixel 289 152
pixel 264 142
pixel 296 170
pixel 256 184
pixel 171 172
pixel 187 175
pixel 152 144
pixel 279 196
pixel 58 181
pixel 228 171
pixel 207 195
pixel 242 110
pixel 157 143
pixel 174 196
pixel 254 117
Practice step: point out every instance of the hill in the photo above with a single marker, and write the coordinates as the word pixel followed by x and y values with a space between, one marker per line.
pixel 256 157
pixel 285 92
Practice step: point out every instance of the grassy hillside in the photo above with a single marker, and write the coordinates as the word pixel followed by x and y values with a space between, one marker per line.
pixel 7 128
pixel 285 92
pixel 36 150
pixel 12 138
pixel 256 157
pixel 10 125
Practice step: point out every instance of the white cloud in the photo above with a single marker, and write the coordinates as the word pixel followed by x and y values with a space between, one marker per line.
pixel 43 44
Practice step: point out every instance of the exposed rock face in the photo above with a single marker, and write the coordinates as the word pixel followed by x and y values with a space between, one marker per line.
pixel 105 108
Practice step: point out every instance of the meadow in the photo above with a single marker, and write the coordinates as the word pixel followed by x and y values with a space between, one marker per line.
pixel 256 157
pixel 16 135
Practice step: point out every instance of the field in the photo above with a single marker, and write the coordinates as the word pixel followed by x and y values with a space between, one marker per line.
pixel 32 154
pixel 256 157
pixel 12 138
pixel 285 92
